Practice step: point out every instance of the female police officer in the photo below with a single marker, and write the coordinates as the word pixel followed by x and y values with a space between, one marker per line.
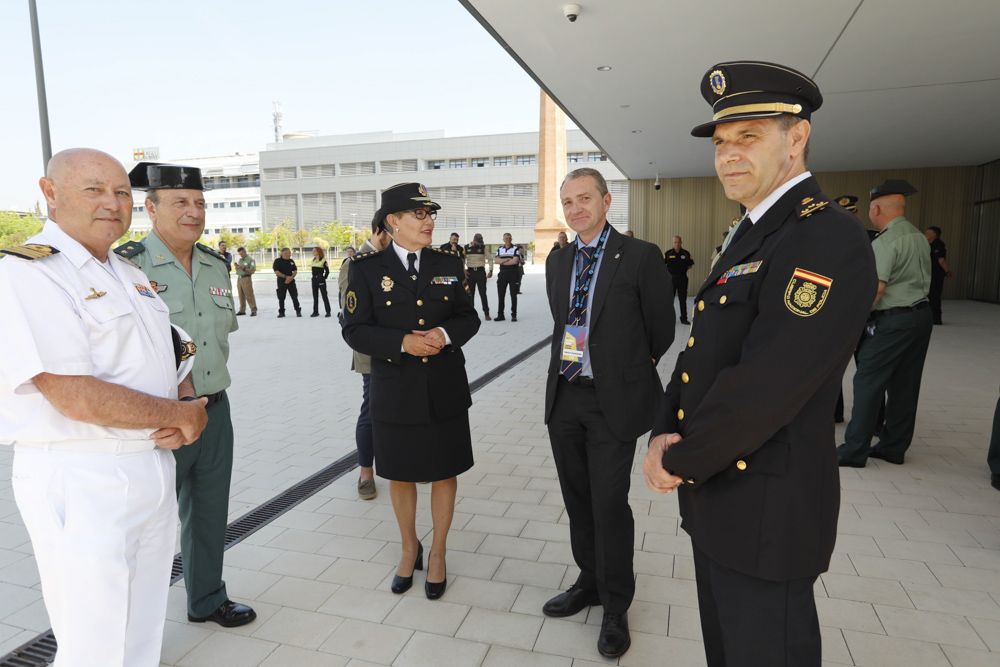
pixel 406 307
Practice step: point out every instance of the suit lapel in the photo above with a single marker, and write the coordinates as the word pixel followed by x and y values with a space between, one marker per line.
pixel 771 222
pixel 610 259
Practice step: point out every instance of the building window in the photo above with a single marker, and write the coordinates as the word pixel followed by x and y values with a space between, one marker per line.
pixel 596 157
pixel 503 161
pixel 218 204
pixel 318 209
pixel 476 192
pixel 357 168
pixel 318 171
pixel 280 209
pixel 279 173
pixel 235 204
pixel 525 160
pixel 525 189
pixel 574 157
pixel 248 181
pixel 499 191
pixel 254 203
pixel 397 166
pixel 457 164
pixel 435 164
pixel 453 193
pixel 480 161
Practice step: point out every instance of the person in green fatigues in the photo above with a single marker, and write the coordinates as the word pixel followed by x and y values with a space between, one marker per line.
pixel 194 282
pixel 891 356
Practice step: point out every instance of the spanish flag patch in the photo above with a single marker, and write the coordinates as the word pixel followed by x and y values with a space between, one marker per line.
pixel 806 292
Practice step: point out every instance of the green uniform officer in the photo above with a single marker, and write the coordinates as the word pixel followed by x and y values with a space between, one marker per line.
pixel 194 282
pixel 891 355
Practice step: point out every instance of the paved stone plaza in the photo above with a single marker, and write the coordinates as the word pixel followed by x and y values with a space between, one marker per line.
pixel 915 580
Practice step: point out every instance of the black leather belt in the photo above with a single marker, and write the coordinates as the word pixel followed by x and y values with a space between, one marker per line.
pixel 578 381
pixel 214 398
pixel 477 268
pixel 901 309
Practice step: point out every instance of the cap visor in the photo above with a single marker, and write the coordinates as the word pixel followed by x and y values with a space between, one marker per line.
pixel 708 129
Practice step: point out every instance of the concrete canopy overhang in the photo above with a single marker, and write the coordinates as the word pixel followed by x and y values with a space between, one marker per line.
pixel 907 83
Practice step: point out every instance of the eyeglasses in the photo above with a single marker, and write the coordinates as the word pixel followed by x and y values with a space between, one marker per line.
pixel 423 214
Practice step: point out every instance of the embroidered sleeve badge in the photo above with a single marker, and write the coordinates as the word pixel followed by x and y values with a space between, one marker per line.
pixel 806 292
pixel 351 302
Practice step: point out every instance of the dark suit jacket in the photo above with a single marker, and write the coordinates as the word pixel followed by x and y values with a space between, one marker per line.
pixel 754 389
pixel 382 304
pixel 631 326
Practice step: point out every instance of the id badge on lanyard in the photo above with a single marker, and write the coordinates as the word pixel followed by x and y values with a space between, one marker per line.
pixel 574 343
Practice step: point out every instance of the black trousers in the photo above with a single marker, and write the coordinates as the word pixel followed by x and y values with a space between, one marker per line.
pixel 293 291
pixel 319 287
pixel 993 456
pixel 890 365
pixel 363 429
pixel 594 474
pixel 937 287
pixel 477 280
pixel 508 279
pixel 681 290
pixel 751 622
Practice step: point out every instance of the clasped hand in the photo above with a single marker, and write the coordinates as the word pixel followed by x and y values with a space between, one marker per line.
pixel 424 343
pixel 657 478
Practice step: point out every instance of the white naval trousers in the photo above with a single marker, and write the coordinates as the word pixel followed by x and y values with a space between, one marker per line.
pixel 103 527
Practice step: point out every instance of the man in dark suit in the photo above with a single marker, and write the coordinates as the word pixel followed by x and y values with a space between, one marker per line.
pixel 607 295
pixel 744 428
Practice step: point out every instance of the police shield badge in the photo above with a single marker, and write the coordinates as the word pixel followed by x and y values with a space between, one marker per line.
pixel 351 302
pixel 806 292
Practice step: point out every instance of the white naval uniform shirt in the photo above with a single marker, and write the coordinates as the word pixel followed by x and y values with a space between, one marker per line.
pixel 50 326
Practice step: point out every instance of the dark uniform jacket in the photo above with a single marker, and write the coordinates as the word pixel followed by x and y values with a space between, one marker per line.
pixel 629 329
pixel 753 390
pixel 678 262
pixel 382 304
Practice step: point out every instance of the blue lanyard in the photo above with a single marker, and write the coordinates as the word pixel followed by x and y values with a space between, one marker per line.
pixel 580 291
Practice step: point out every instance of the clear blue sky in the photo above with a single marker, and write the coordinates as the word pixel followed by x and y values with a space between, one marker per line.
pixel 198 77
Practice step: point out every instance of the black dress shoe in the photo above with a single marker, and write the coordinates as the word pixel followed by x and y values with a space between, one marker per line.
pixel 685 322
pixel 281 314
pixel 229 615
pixel 877 453
pixel 845 462
pixel 328 314
pixel 402 584
pixel 499 318
pixel 571 602
pixel 298 313
pixel 314 315
pixel 513 318
pixel 435 589
pixel 995 480
pixel 614 639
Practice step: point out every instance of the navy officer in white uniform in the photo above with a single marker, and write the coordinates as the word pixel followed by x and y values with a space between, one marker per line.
pixel 89 399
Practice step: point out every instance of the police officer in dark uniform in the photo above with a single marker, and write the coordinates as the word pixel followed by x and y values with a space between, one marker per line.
pixel 476 273
pixel 407 308
pixel 453 245
pixel 939 270
pixel 678 261
pixel 744 427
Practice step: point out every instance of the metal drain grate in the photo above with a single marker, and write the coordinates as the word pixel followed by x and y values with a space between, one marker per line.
pixel 41 650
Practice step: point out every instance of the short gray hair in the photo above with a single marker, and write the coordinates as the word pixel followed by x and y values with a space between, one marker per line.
pixel 787 121
pixel 602 185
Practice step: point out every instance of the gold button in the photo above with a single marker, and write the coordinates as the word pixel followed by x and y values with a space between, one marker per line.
pixel 690 481
pixel 741 465
pixel 420 302
pixel 389 360
pixel 691 341
pixel 446 298
pixel 680 414
pixel 420 321
pixel 723 299
pixel 388 303
pixel 423 359
pixel 701 305
pixel 685 378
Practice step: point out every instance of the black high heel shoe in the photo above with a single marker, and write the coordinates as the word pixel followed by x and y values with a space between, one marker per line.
pixel 402 584
pixel 434 590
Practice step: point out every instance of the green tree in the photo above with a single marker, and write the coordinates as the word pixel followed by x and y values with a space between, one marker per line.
pixel 260 240
pixel 338 235
pixel 281 235
pixel 16 228
pixel 301 237
pixel 232 240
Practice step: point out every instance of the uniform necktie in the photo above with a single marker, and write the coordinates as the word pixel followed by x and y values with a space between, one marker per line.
pixel 411 270
pixel 744 227
pixel 578 307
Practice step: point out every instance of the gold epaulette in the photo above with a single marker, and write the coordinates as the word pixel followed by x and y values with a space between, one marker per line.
pixel 30 251
pixel 810 205
pixel 366 255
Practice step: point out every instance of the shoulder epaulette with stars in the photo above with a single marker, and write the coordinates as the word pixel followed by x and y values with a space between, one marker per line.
pixel 130 249
pixel 210 251
pixel 366 255
pixel 446 251
pixel 30 251
pixel 810 205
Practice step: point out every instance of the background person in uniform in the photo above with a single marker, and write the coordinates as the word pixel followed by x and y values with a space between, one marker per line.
pixel 88 396
pixel 246 266
pixel 606 293
pixel 320 272
pixel 509 259
pixel 362 363
pixel 453 245
pixel 285 271
pixel 407 308
pixel 193 280
pixel 678 261
pixel 476 273
pixel 744 428
pixel 226 255
pixel 939 270
pixel 891 355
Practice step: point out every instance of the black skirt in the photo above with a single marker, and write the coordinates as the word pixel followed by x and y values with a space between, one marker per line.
pixel 422 452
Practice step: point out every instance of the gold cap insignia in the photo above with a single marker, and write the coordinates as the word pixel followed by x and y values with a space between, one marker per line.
pixel 94 294
pixel 717 80
pixel 422 190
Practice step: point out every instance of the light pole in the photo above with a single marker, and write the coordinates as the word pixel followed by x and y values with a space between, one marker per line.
pixel 43 105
